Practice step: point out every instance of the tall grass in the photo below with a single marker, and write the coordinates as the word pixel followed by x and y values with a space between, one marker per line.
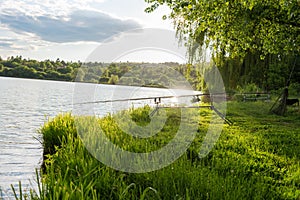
pixel 32 194
pixel 256 158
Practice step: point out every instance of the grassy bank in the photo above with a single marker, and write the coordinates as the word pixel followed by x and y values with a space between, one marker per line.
pixel 256 158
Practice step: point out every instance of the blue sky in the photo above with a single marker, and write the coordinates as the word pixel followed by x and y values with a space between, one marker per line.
pixel 69 29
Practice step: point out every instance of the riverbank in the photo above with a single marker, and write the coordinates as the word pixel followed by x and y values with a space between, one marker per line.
pixel 256 158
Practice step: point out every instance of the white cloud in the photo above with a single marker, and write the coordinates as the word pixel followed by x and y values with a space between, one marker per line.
pixel 82 25
pixel 14 42
pixel 68 29
pixel 46 7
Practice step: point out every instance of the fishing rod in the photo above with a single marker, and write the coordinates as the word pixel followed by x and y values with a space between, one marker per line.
pixel 147 98
pixel 157 101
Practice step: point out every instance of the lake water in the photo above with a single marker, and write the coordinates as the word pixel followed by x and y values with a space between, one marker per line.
pixel 25 105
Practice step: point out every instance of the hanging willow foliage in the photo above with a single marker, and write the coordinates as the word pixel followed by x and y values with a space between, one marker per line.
pixel 251 41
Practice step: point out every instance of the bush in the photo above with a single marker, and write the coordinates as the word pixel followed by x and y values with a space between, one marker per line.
pixel 294 89
pixel 249 88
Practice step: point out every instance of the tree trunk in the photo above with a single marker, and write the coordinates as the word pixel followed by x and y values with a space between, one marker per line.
pixel 281 108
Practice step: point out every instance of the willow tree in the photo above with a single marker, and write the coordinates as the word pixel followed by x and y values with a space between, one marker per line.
pixel 236 28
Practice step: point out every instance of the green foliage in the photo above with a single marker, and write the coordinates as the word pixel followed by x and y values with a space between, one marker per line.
pixel 294 89
pixel 256 158
pixel 137 74
pixel 23 68
pixel 133 74
pixel 254 41
pixel 238 27
pixel 269 74
pixel 141 115
pixel 114 79
pixel 55 131
pixel 250 88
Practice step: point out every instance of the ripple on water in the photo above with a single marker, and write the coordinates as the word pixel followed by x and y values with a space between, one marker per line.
pixel 24 107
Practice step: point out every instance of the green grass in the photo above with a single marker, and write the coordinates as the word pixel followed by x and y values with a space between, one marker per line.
pixel 256 158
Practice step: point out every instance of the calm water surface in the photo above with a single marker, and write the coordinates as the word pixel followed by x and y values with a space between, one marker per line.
pixel 25 105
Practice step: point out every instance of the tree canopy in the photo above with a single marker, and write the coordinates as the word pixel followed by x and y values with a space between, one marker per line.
pixel 237 27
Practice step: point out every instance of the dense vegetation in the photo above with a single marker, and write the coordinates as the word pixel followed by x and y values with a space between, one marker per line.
pixel 238 27
pixel 27 68
pixel 255 45
pixel 256 158
pixel 237 75
pixel 104 73
pixel 269 74
pixel 252 41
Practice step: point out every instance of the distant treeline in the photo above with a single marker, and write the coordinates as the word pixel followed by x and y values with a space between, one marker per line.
pixel 250 74
pixel 49 70
pixel 167 74
pixel 141 74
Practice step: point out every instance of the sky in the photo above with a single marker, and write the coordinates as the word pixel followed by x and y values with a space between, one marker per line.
pixel 72 29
